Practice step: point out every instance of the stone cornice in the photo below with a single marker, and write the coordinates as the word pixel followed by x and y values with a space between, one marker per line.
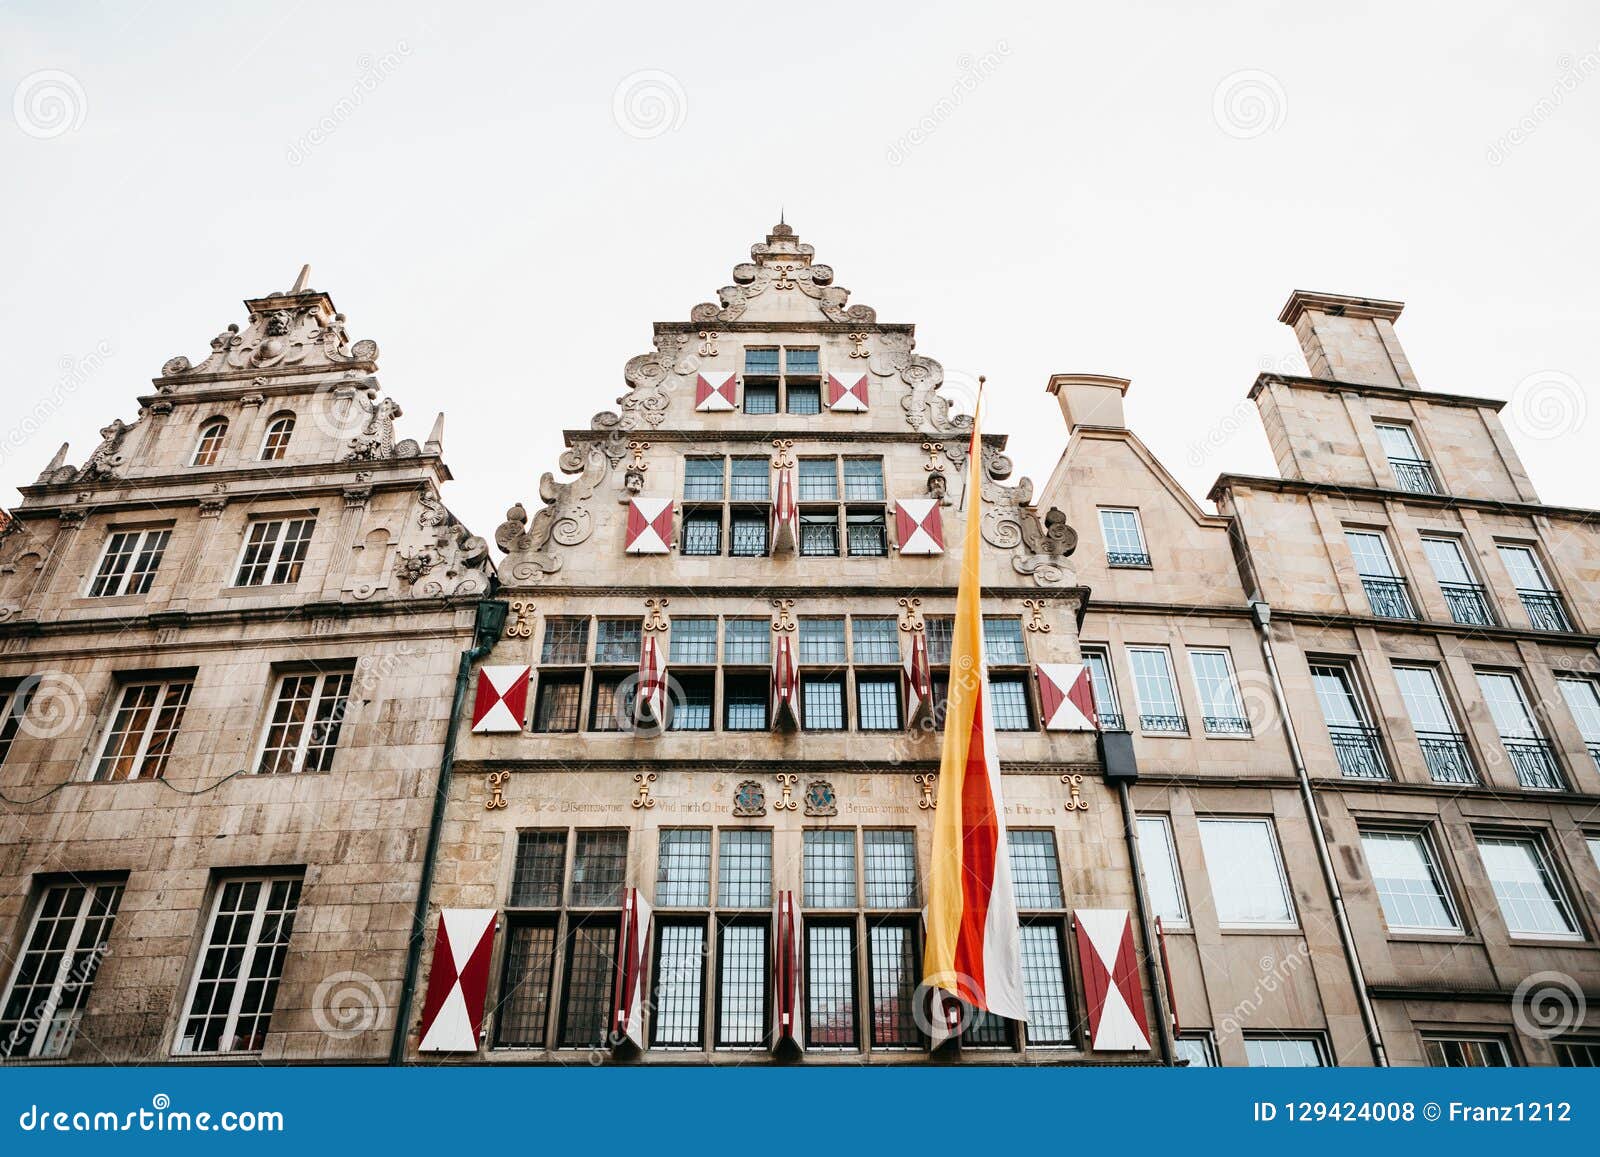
pixel 766 591
pixel 1396 393
pixel 749 767
pixel 1332 785
pixel 1377 494
pixel 798 433
pixel 727 327
pixel 1432 627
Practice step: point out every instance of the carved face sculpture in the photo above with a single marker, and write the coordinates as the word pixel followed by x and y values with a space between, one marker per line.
pixel 278 322
pixel 633 481
pixel 936 483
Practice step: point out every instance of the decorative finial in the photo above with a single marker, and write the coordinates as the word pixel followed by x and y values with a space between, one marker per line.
pixel 300 282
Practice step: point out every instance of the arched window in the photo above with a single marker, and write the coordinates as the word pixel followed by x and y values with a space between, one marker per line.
pixel 277 440
pixel 209 448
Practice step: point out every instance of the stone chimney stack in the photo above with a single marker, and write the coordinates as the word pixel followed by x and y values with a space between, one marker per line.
pixel 1349 339
pixel 1089 399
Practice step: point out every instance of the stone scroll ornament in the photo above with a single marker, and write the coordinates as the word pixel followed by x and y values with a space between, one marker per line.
pixel 531 548
pixel 452 560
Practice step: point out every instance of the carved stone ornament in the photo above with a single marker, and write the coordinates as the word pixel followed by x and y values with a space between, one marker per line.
pixel 1011 522
pixel 564 520
pixel 750 799
pixel 450 561
pixel 820 800
pixel 298 329
pixel 107 457
pixel 376 440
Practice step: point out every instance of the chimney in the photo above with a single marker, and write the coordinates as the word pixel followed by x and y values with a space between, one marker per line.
pixel 1089 399
pixel 1349 339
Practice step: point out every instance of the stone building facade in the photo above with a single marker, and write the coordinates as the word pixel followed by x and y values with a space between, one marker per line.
pixel 228 642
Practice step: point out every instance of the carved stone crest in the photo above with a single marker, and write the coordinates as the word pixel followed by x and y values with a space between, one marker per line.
pixel 820 800
pixel 750 799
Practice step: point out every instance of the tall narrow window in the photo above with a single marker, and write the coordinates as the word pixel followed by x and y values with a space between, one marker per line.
pixel 1408 883
pixel 556 709
pixel 276 444
pixel 1531 755
pixel 274 551
pixel 1583 700
pixel 761 381
pixel 1247 880
pixel 1124 538
pixel 1444 748
pixel 1106 705
pixel 1531 900
pixel 129 564
pixel 1386 589
pixel 55 971
pixel 303 729
pixel 1463 593
pixel 1161 875
pixel 1355 740
pixel 566 639
pixel 529 971
pixel 143 729
pixel 235 983
pixel 1222 713
pixel 1546 611
pixel 829 876
pixel 1153 685
pixel 14 696
pixel 878 701
pixel 830 868
pixel 1036 876
pixel 1412 472
pixel 744 898
pixel 209 448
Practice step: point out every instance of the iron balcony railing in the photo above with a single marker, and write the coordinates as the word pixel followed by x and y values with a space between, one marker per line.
pixel 1388 597
pixel 1127 558
pixel 1447 757
pixel 1415 475
pixel 1175 724
pixel 1545 610
pixel 1111 721
pixel 1225 724
pixel 1356 747
pixel 1534 763
pixel 1468 603
pixel 1594 753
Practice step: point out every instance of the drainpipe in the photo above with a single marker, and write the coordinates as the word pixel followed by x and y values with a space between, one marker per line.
pixel 491 621
pixel 1261 612
pixel 1158 991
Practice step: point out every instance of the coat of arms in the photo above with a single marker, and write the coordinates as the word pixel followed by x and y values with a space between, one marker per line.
pixel 820 800
pixel 750 799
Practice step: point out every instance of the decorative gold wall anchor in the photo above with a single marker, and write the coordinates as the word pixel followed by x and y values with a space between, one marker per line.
pixel 521 627
pixel 638 448
pixel 644 779
pixel 654 620
pixel 782 459
pixel 926 782
pixel 910 614
pixel 784 619
pixel 788 803
pixel 1036 615
pixel 858 343
pixel 497 797
pixel 1075 801
pixel 933 450
pixel 708 343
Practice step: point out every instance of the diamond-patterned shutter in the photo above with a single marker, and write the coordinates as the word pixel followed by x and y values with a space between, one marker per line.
pixel 452 1013
pixel 847 390
pixel 633 948
pixel 785 683
pixel 649 526
pixel 786 963
pixel 919 525
pixel 1066 697
pixel 715 390
pixel 1111 980
pixel 785 514
pixel 917 681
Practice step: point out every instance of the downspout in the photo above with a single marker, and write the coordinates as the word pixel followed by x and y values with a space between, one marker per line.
pixel 490 622
pixel 1261 613
pixel 1158 991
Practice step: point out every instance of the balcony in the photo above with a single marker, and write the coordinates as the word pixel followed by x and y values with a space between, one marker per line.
pixel 1225 724
pixel 1545 610
pixel 1388 597
pixel 1415 475
pixel 1534 763
pixel 1447 757
pixel 1167 724
pixel 1469 604
pixel 1127 558
pixel 1356 747
pixel 1110 721
pixel 1594 753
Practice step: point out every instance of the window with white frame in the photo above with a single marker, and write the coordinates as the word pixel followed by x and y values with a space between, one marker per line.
pixel 1583 700
pixel 1466 1052
pixel 1161 875
pixel 1444 747
pixel 128 565
pixel 1197 1049
pixel 1285 1052
pixel 235 983
pixel 274 551
pixel 1221 708
pixel 1106 706
pixel 143 728
pixel 308 708
pixel 1531 899
pixel 14 696
pixel 1355 741
pixel 1408 882
pixel 55 970
pixel 1248 883
pixel 1530 752
pixel 209 447
pixel 1540 599
pixel 1594 850
pixel 1411 470
pixel 1124 537
pixel 1463 593
pixel 1385 586
pixel 276 443
pixel 1156 691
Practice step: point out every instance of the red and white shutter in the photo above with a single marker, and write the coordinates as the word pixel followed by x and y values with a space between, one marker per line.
pixel 786 956
pixel 452 1013
pixel 847 390
pixel 785 514
pixel 649 526
pixel 502 699
pixel 633 946
pixel 785 689
pixel 917 678
pixel 650 695
pixel 1066 697
pixel 1111 980
pixel 919 526
pixel 715 390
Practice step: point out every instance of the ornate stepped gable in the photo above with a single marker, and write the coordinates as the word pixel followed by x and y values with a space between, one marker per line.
pixel 689 379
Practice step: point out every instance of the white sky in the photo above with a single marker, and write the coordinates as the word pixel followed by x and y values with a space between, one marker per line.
pixel 484 216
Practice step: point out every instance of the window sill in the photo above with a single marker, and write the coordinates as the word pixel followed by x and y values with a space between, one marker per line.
pixel 236 592
pixel 1258 929
pixel 1545 940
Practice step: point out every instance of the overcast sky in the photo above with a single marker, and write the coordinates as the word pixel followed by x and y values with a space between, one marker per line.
pixel 505 199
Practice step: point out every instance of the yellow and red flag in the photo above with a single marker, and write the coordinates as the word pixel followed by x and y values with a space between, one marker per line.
pixel 974 945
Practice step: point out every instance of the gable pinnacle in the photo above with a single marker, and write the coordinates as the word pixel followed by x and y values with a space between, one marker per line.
pixel 300 282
